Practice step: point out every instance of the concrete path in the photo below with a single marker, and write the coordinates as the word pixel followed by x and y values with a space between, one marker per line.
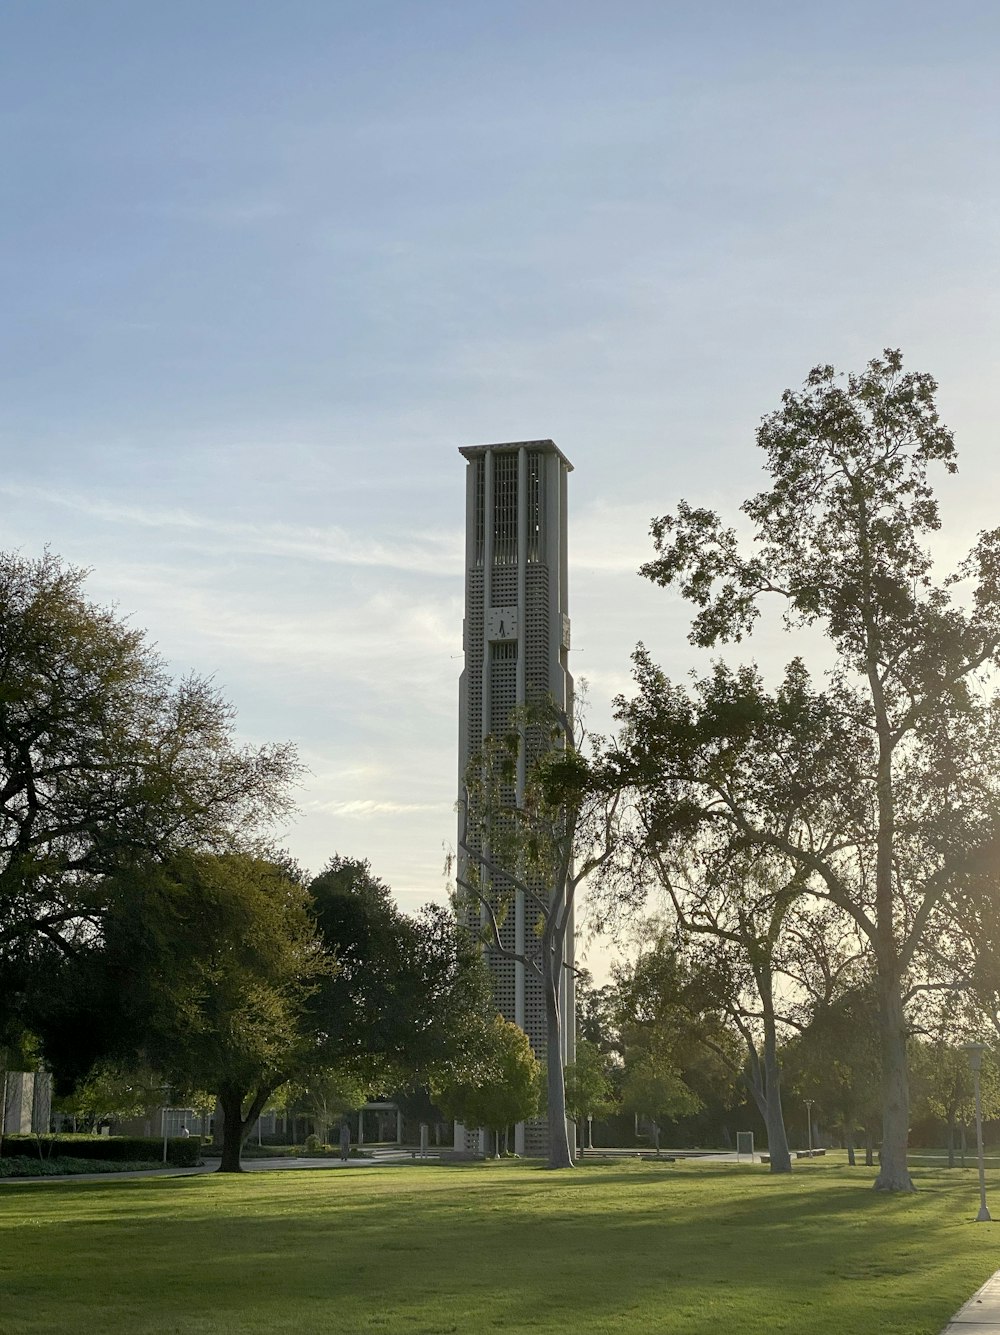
pixel 981 1314
pixel 210 1166
pixel 103 1177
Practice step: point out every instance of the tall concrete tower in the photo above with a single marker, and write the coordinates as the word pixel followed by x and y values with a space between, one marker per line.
pixel 516 640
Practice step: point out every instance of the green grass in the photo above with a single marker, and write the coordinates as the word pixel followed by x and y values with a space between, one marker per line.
pixel 654 1249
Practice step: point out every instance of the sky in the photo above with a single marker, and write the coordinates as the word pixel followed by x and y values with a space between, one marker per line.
pixel 265 268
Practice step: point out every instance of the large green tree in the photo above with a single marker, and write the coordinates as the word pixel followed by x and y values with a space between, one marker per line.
pixel 735 911
pixel 205 968
pixel 104 762
pixel 892 801
pixel 226 972
pixel 410 994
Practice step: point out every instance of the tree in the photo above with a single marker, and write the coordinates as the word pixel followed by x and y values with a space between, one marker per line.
pixel 653 1087
pixel 596 1013
pixel 563 831
pixel 944 1086
pixel 329 1095
pixel 589 1091
pixel 112 1093
pixel 104 762
pixel 669 1003
pixel 227 973
pixel 506 1088
pixel 735 910
pixel 893 804
pixel 835 1060
pixel 410 995
pixel 204 970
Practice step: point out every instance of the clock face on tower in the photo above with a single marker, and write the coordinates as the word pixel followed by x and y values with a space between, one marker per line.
pixel 501 623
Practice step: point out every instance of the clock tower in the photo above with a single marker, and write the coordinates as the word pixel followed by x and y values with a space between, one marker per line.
pixel 516 640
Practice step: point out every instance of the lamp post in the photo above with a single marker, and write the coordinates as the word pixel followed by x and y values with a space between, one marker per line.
pixel 975 1051
pixel 809 1121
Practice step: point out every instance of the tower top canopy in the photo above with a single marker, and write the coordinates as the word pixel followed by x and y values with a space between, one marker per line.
pixel 470 452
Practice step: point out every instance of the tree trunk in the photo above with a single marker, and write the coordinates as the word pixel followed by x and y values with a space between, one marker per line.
pixel 951 1142
pixel 893 1174
pixel 560 1154
pixel 869 1148
pixel 962 1143
pixel 774 1117
pixel 233 1129
pixel 849 1138
pixel 236 1128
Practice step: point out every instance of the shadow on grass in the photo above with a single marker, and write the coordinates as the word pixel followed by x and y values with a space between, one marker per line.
pixel 593 1251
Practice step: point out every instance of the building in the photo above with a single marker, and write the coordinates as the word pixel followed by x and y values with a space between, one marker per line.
pixel 516 640
pixel 27 1103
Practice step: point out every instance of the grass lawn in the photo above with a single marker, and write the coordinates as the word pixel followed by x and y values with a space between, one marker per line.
pixel 636 1247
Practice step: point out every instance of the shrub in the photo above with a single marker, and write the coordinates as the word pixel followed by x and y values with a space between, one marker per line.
pixel 20 1166
pixel 182 1151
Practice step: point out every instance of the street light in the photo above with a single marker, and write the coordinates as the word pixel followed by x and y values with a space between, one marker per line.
pixel 975 1051
pixel 809 1119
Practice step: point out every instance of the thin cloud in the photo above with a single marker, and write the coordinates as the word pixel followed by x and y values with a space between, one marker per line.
pixel 428 553
pixel 366 807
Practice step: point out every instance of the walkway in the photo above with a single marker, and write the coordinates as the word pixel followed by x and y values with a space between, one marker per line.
pixel 211 1165
pixel 981 1314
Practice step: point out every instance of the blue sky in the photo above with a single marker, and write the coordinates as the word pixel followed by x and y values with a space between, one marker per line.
pixel 266 267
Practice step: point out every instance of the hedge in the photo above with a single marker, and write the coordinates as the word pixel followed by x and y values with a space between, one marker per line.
pixel 182 1151
pixel 62 1166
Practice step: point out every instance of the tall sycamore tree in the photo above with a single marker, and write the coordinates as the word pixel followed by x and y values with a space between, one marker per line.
pixel 891 809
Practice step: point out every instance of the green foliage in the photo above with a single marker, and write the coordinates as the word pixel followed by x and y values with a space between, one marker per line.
pixel 182 1151
pixel 589 1088
pixel 677 1007
pixel 204 971
pixel 113 1092
pixel 505 1089
pixel 597 1013
pixel 65 1165
pixel 104 763
pixel 881 787
pixel 836 1061
pixel 849 461
pixel 536 842
pixel 327 1094
pixel 944 1086
pixel 653 1087
pixel 409 996
pixel 220 958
